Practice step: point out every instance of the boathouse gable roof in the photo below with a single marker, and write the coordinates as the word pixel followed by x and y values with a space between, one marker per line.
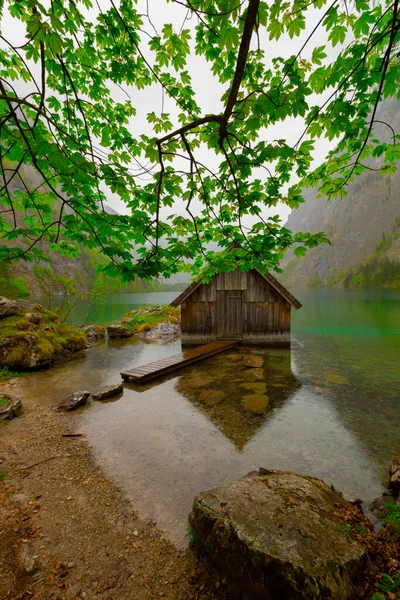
pixel 279 288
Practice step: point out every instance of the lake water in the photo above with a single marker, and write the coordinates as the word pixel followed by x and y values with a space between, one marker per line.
pixel 115 305
pixel 333 407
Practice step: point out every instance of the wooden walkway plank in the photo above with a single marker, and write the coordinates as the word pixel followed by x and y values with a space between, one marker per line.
pixel 177 361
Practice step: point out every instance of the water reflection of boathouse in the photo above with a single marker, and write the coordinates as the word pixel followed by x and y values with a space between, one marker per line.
pixel 236 397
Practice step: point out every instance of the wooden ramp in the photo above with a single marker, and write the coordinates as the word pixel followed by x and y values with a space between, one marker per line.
pixel 173 363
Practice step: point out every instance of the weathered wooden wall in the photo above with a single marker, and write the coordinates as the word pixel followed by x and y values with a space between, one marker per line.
pixel 236 305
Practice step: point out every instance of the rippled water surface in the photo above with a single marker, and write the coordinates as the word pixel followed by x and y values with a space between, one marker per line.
pixel 330 407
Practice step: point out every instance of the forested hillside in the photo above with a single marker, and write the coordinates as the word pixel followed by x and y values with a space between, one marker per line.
pixel 22 278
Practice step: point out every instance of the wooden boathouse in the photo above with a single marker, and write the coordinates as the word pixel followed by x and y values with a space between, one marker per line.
pixel 245 306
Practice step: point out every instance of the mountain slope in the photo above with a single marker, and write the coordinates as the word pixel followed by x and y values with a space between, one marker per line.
pixel 356 224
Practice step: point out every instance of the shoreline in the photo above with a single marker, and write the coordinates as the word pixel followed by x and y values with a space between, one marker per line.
pixel 69 532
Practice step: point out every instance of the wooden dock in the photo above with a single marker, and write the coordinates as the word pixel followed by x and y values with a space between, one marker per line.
pixel 173 363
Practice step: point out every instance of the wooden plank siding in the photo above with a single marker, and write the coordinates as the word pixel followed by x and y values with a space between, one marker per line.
pixel 233 306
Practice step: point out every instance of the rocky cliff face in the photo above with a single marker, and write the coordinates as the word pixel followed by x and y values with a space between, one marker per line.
pixel 356 224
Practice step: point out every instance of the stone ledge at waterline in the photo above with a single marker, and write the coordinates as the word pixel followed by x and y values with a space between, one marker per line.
pixel 32 337
pixel 277 535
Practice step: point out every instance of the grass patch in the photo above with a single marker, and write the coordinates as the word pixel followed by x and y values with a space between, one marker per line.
pixel 3 401
pixel 392 520
pixel 144 319
pixel 2 475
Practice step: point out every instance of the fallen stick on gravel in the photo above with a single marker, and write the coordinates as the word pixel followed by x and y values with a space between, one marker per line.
pixel 43 461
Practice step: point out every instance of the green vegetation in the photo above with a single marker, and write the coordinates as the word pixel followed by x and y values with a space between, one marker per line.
pixel 316 283
pixel 66 120
pixel 144 319
pixel 6 374
pixel 2 475
pixel 34 345
pixel 378 270
pixel 388 585
pixel 392 520
pixel 11 286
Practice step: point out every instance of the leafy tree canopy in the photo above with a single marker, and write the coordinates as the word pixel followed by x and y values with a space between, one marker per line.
pixel 76 129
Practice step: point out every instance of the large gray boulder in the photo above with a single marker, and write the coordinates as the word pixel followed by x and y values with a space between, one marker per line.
pixel 118 331
pixel 279 535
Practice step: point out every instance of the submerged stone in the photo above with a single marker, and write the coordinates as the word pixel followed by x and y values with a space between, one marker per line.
pixel 251 360
pixel 108 391
pixel 211 397
pixel 197 381
pixel 233 356
pixel 255 385
pixel 12 407
pixel 279 535
pixel 74 401
pixel 336 378
pixel 254 374
pixel 255 403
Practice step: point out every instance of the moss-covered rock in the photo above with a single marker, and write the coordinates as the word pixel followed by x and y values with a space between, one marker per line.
pixel 27 344
pixel 143 320
pixel 277 535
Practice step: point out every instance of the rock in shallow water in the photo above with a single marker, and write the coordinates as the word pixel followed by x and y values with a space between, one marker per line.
pixel 255 403
pixel 108 391
pixel 74 401
pixel 278 536
pixel 212 397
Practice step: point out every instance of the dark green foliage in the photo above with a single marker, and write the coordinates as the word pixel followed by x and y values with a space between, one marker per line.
pixel 80 138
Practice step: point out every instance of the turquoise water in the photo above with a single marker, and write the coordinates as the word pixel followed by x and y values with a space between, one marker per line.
pixel 330 407
pixel 115 305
